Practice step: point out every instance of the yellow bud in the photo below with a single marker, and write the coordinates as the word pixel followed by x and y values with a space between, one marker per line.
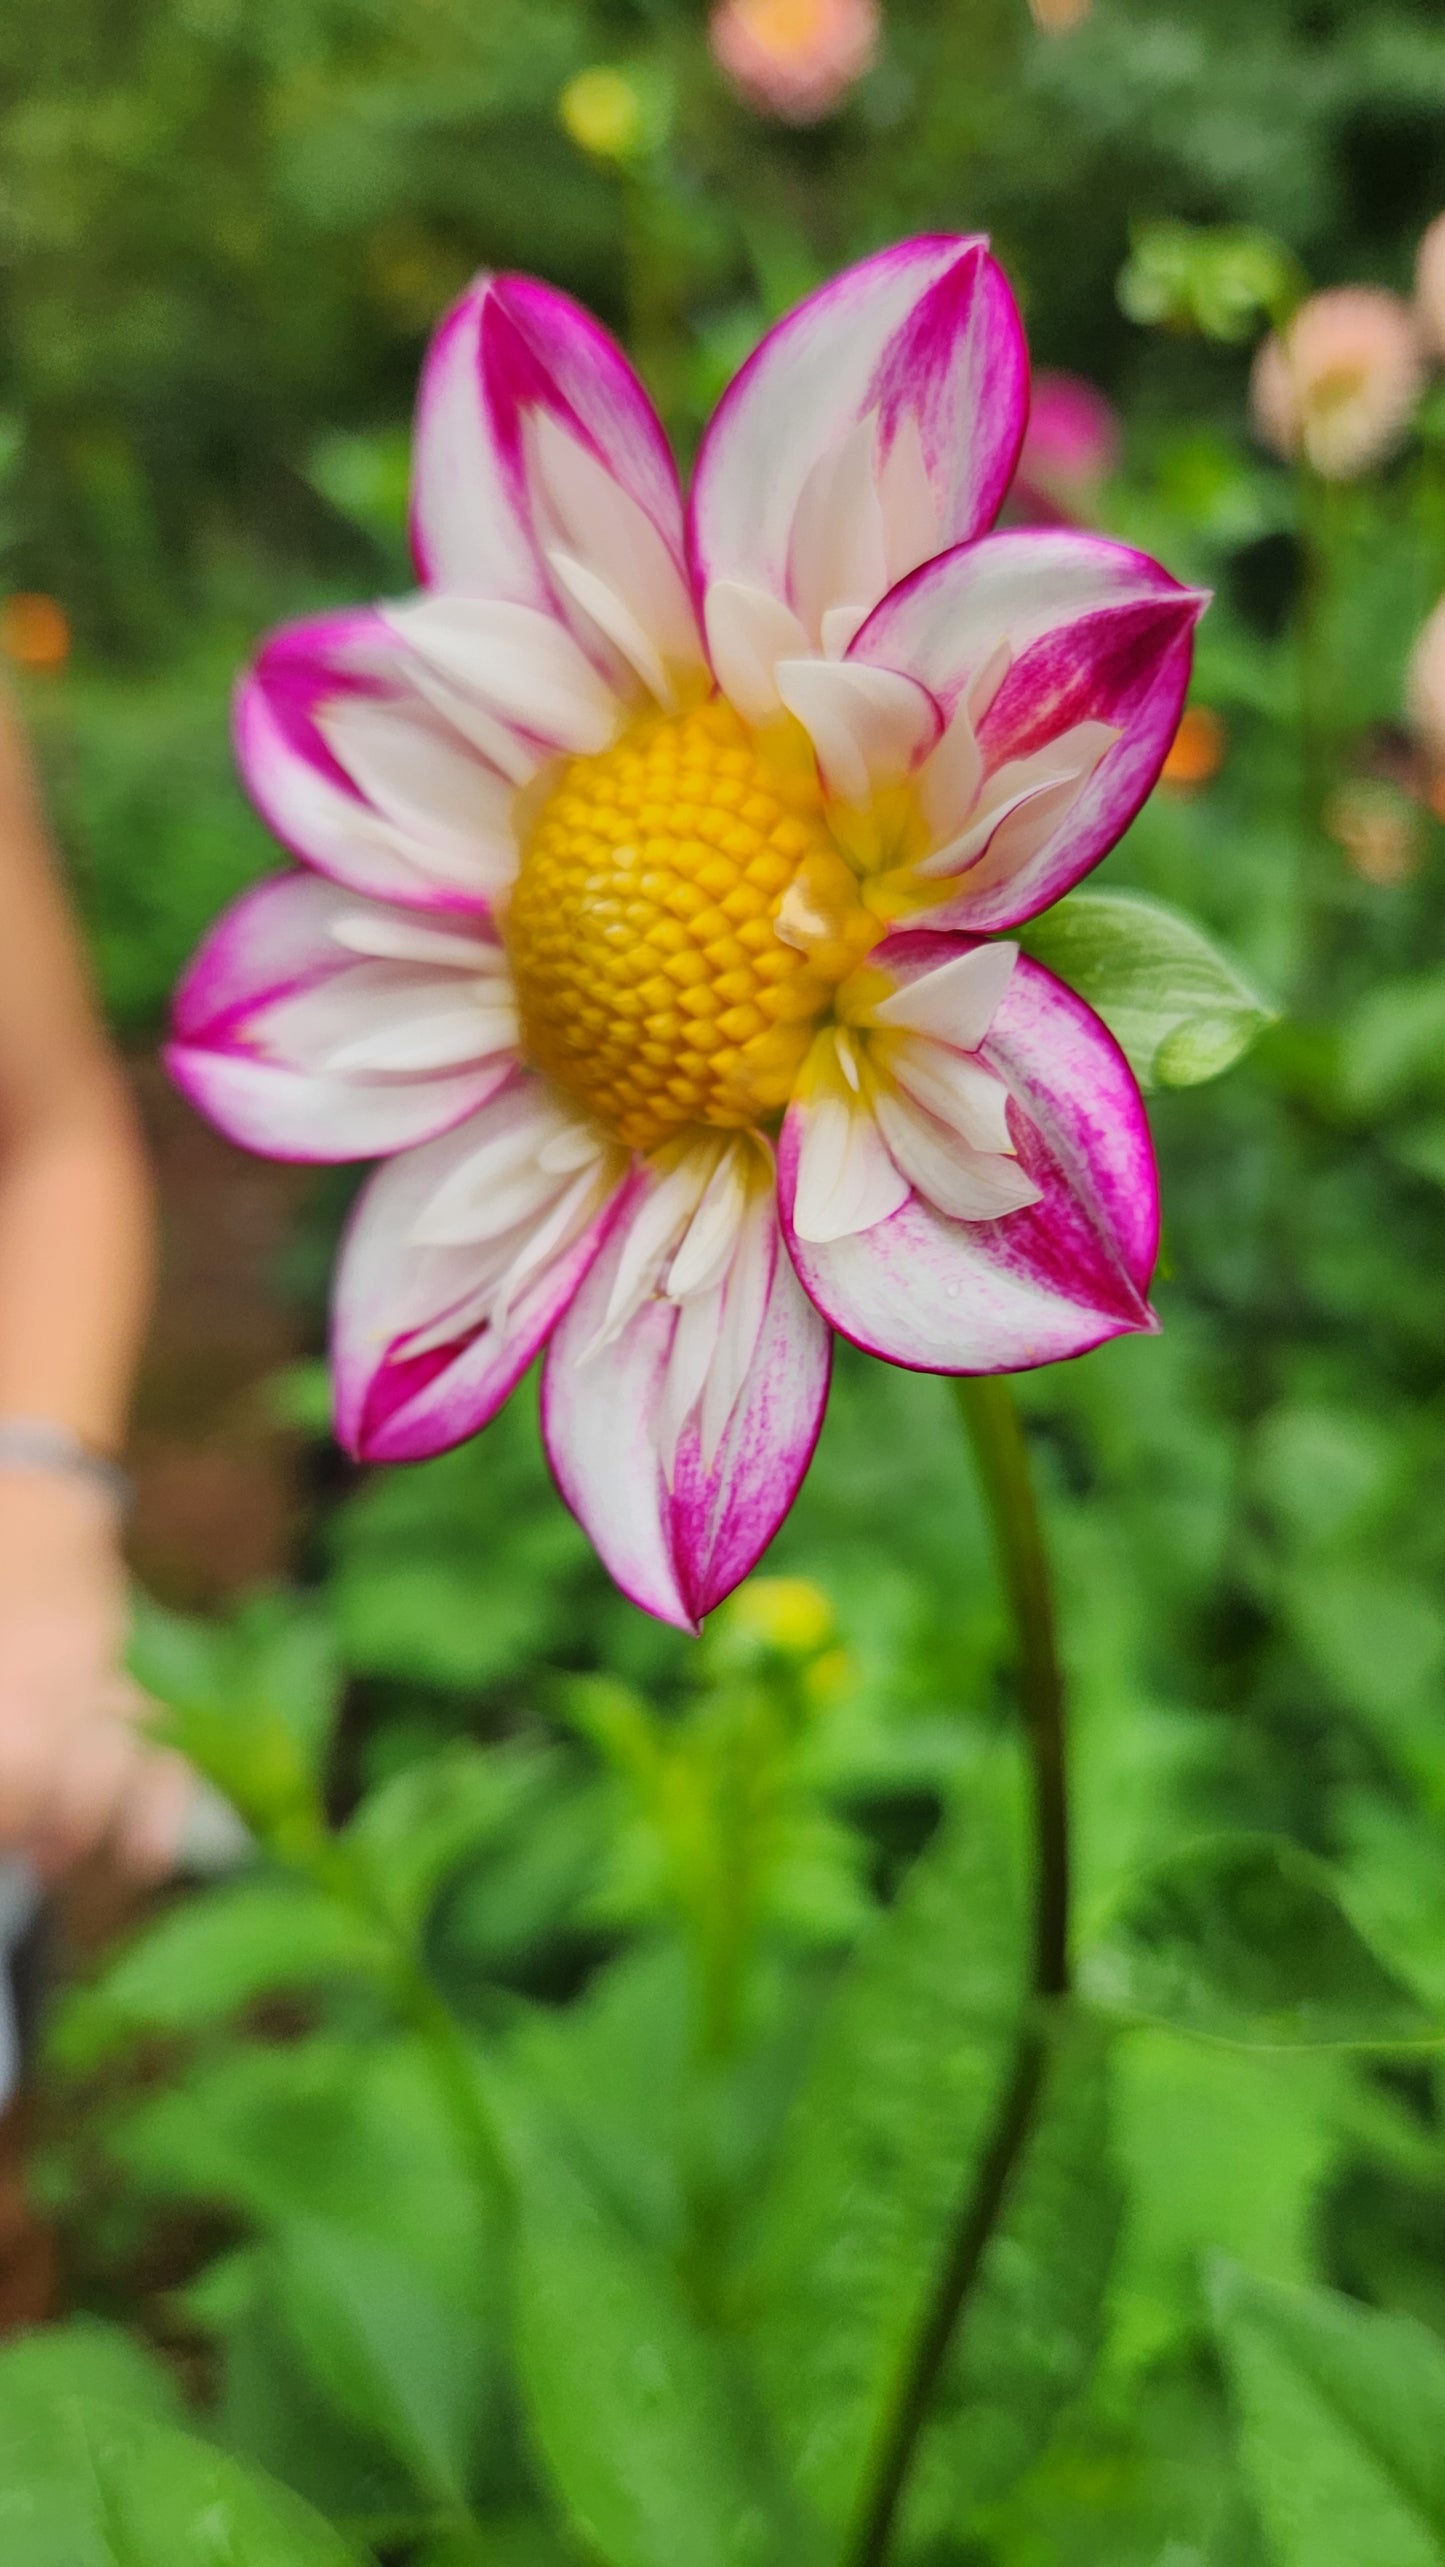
pixel 789 1614
pixel 604 113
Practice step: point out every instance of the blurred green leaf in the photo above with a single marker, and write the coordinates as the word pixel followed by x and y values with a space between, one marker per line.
pixel 1244 1939
pixel 416 1828
pixel 629 2403
pixel 891 2118
pixel 1035 2320
pixel 1179 1010
pixel 218 1951
pixel 85 2483
pixel 253 1704
pixel 1343 2424
pixel 397 2355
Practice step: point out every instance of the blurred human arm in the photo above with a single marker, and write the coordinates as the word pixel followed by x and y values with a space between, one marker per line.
pixel 75 1262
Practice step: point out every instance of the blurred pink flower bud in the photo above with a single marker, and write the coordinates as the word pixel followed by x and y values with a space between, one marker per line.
pixel 1425 683
pixel 1430 285
pixel 795 58
pixel 1071 446
pixel 1337 387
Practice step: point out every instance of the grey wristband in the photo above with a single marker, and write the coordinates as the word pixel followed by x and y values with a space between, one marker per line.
pixel 38 1444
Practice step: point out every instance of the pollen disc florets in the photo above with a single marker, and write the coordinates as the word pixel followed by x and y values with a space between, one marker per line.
pixel 680 918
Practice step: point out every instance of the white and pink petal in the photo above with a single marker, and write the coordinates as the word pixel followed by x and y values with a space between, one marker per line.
pixel 1033 1285
pixel 543 477
pixel 458 1262
pixel 877 425
pixel 360 775
pixel 1060 663
pixel 680 1431
pixel 318 1026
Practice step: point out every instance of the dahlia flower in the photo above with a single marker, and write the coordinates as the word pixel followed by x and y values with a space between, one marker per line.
pixel 796 59
pixel 659 863
pixel 1339 385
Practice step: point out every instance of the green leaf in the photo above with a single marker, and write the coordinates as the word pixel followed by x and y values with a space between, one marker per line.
pixel 1035 2318
pixel 1244 1939
pixel 396 2352
pixel 253 1705
pixel 86 2484
pixel 420 1825
pixel 82 2358
pixel 381 2245
pixel 216 1952
pixel 1343 2423
pixel 1179 1009
pixel 627 2400
pixel 897 2106
pixel 1392 1045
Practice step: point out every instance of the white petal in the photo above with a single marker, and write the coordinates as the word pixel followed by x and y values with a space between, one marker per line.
pixel 434 1036
pixel 967 1185
pixel 712 1234
pixel 868 725
pixel 744 1309
pixel 391 936
pixel 1051 779
pixel 748 632
pixel 956 1002
pixel 954 1086
pixel 837 557
pixel 517 665
pixel 847 1180
pixel 608 534
pixel 614 619
pixel 657 1225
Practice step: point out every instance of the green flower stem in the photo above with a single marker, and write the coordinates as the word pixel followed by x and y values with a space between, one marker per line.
pixel 990 1413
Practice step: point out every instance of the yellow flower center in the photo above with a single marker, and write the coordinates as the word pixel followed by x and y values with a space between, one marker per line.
pixel 679 922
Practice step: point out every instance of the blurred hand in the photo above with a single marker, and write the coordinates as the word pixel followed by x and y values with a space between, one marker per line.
pixel 76 1772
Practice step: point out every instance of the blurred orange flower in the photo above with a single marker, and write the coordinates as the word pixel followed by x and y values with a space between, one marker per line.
pixel 1056 17
pixel 1430 285
pixel 34 632
pixel 1338 386
pixel 1198 750
pixel 795 58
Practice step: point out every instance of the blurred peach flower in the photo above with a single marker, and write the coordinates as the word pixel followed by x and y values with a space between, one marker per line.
pixel 35 633
pixel 1338 386
pixel 1071 446
pixel 1425 683
pixel 1378 827
pixel 795 58
pixel 1430 285
pixel 1198 750
pixel 1057 17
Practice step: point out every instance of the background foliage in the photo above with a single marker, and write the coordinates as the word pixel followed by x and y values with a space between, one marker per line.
pixel 540 2153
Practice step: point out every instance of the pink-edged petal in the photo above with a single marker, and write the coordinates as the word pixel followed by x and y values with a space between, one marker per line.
pixel 1095 639
pixel 682 1505
pixel 869 726
pixel 360 776
pixel 878 424
pixel 317 1026
pixel 428 1337
pixel 1040 1284
pixel 535 437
